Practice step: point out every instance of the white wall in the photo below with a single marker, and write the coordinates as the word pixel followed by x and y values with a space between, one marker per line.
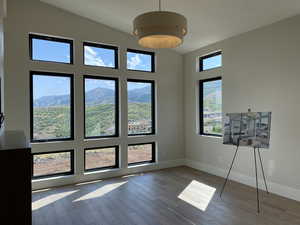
pixel 261 69
pixel 33 16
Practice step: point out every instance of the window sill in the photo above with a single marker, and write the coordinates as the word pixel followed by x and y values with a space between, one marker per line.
pixel 143 164
pixel 141 135
pixel 52 178
pixel 103 67
pixel 102 171
pixel 210 136
pixel 51 142
pixel 100 138
pixel 212 69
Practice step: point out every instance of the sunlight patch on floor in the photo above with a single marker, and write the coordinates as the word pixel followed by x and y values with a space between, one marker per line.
pixel 50 199
pixel 197 194
pixel 100 191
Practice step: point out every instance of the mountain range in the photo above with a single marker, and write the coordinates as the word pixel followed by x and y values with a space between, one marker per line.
pixel 95 97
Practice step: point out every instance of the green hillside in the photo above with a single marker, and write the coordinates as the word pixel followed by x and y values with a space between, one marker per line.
pixel 139 111
pixel 99 119
pixel 51 122
pixel 54 122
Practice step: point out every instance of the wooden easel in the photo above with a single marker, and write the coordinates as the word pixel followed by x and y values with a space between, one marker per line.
pixel 255 162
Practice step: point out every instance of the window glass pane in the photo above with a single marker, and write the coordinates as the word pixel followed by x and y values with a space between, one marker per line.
pixel 51 107
pixel 53 51
pixel 98 56
pixel 140 153
pixel 139 61
pixel 51 163
pixel 212 62
pixel 140 108
pixel 212 107
pixel 100 158
pixel 100 107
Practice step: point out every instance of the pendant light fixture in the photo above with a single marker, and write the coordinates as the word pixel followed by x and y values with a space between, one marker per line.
pixel 160 29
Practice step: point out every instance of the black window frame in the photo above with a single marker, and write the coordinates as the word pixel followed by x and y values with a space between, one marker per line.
pixel 98 45
pixel 51 38
pixel 117 108
pixel 152 54
pixel 117 159
pixel 71 172
pixel 153 106
pixel 201 118
pixel 206 57
pixel 54 74
pixel 153 160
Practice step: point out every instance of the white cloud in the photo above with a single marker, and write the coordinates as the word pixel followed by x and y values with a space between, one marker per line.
pixel 92 58
pixel 133 62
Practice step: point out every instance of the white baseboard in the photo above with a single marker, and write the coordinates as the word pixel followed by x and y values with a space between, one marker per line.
pixel 275 188
pixel 172 163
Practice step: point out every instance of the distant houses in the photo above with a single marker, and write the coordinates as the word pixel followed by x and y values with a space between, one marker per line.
pixel 140 126
pixel 212 115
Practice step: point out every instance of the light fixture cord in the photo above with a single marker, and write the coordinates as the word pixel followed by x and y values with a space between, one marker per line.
pixel 159 5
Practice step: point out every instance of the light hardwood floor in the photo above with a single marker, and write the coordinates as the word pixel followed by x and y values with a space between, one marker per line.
pixel 176 196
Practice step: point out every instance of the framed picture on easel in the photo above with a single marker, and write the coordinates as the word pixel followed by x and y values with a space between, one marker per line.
pixel 250 129
pixel 247 129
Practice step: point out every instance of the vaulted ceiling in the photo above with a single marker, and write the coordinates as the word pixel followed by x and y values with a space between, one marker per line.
pixel 209 21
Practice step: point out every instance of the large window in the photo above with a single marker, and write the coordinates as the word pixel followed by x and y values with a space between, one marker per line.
pixel 211 106
pixel 101 101
pixel 101 158
pixel 100 55
pixel 50 49
pixel 53 164
pixel 210 61
pixel 140 60
pixel 141 107
pixel 53 98
pixel 51 106
pixel 141 153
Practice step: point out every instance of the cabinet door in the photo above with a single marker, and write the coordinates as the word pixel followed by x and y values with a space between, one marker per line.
pixel 15 188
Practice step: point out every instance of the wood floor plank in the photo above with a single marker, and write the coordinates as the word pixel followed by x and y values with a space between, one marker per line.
pixel 175 196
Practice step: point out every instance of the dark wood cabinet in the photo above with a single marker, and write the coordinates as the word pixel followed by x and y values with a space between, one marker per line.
pixel 15 187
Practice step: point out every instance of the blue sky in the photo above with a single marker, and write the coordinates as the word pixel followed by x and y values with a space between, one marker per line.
pixel 96 83
pixel 138 61
pixel 50 85
pixel 135 85
pixel 212 62
pixel 50 51
pixel 91 84
pixel 99 56
pixel 60 52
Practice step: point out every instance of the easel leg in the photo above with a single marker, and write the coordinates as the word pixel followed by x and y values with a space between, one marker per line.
pixel 257 192
pixel 263 172
pixel 237 148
